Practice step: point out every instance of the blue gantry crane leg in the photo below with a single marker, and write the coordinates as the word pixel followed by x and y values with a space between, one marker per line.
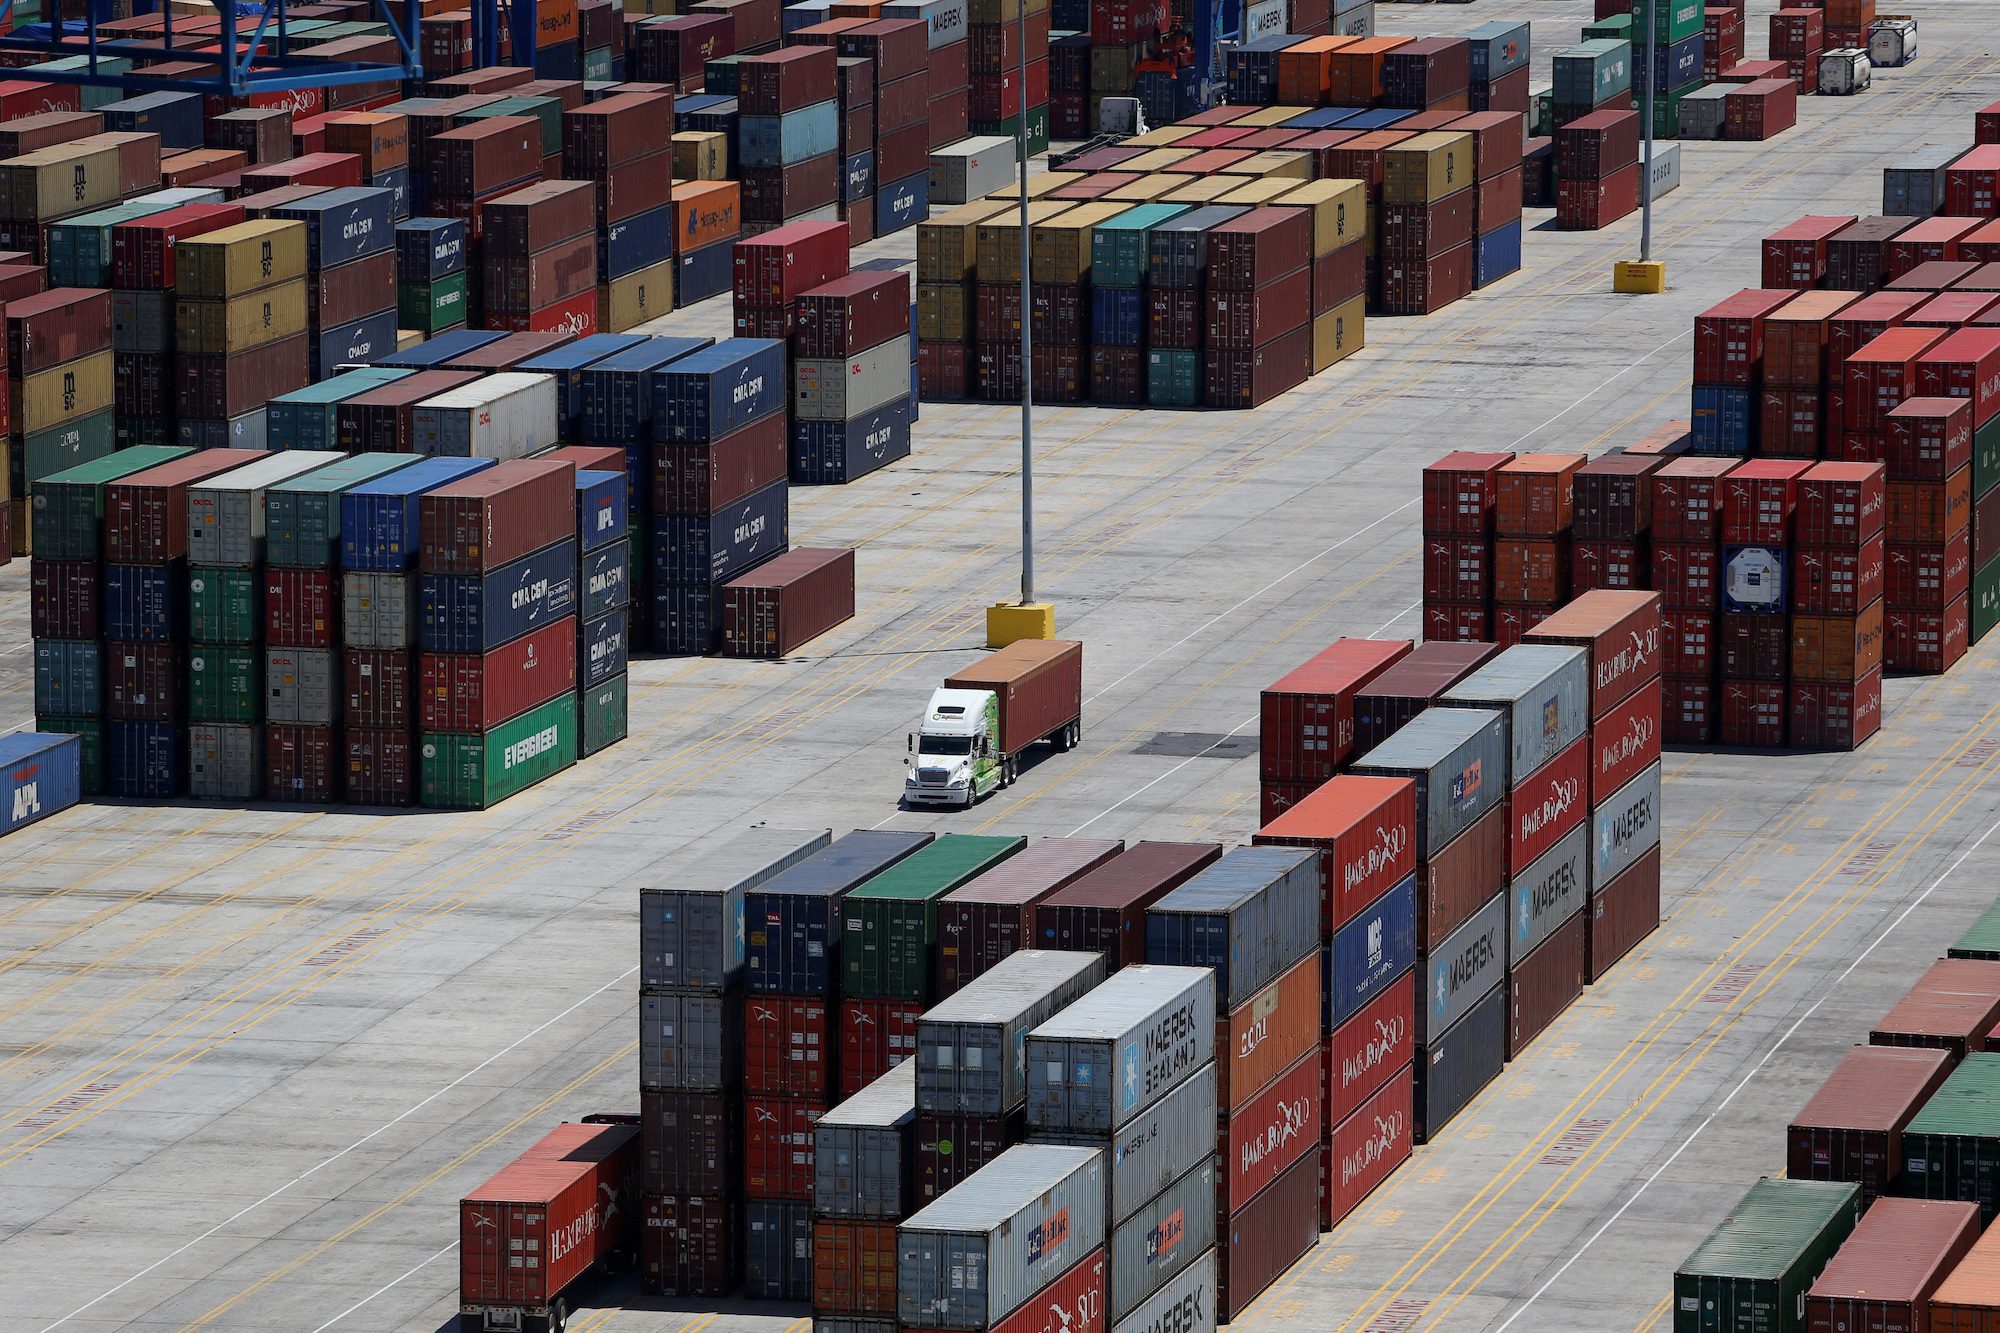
pixel 1210 24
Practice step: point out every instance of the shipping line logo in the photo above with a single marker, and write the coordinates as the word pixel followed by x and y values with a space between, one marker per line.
pixel 1538 899
pixel 1466 784
pixel 1389 1130
pixel 1385 1042
pixel 1470 963
pixel 1391 841
pixel 1048 1235
pixel 1166 1235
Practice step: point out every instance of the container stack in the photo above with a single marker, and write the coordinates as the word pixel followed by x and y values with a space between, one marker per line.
pixel 864 1162
pixel 1257 335
pixel 1610 533
pixel 1597 169
pixel 991 918
pixel 432 286
pixel 788 135
pixel 1120 247
pixel 1177 271
pixel 240 329
pixel 616 142
pixel 1798 37
pixel 1306 720
pixel 1461 491
pixel 1535 498
pixel 1496 214
pixel 947 299
pixel 898 51
pixel 59 366
pixel 604 592
pixel 1729 371
pixel 1680 50
pixel 1592 76
pixel 1430 199
pixel 1159 1140
pixel 1775 1240
pixel 1499 67
pixel 1458 759
pixel 1105 910
pixel 1000 105
pixel 1759 507
pixel 1722 42
pixel 382 141
pixel 1839 602
pixel 539 265
pixel 1070 97
pixel 852 393
pixel 470 165
pixel 1620 631
pixel 142 298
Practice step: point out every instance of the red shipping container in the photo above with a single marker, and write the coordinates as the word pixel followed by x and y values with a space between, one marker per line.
pixel 689 1245
pixel 1852 1128
pixel 875 1037
pixel 854 1263
pixel 565 1205
pixel 1536 494
pixel 1928 642
pixel 494 517
pixel 1358 158
pixel 853 313
pixel 1952 1007
pixel 984 921
pixel 1593 146
pixel 705 478
pixel 1687 500
pixel 1929 439
pixel 1687 715
pixel 1753 714
pixel 1759 500
pixel 1729 337
pixel 1622 913
pixel 788 1047
pixel 1791 423
pixel 1883 1276
pixel 1245 320
pixel 57 325
pixel 1965 364
pixel 1496 141
pixel 1415 232
pixel 613 131
pixel 1795 340
pixel 381 768
pixel 1513 620
pixel 1986 125
pixel 1546 804
pixel 1426 288
pixel 1861 323
pixel 776 82
pixel 1797 33
pixel 478 691
pixel 1543 984
pixel 1127 22
pixel 899 48
pixel 1306 726
pixel 1269 1130
pixel 1838 582
pixel 1613 497
pixel 778 1146
pixel 790 601
pixel 1258 1244
pixel 1760 110
pixel 327 171
pixel 1461 878
pixel 65 598
pixel 1929 576
pixel 145 514
pixel 1457 569
pixel 1589 205
pixel 380 686
pixel 1622 632
pixel 573 317
pixel 1879 376
pixel 1972 184
pixel 1370 1048
pixel 301 607
pixel 775 268
pixel 1931 241
pixel 1948 310
pixel 1105 911
pixel 1617 565
pixel 1367 1147
pixel 1687 641
pixel 996 47
pixel 1251 252
pixel 1267 1034
pixel 1840 504
pixel 1625 742
pixel 1457 622
pixel 1836 715
pixel 1795 254
pixel 1531 569
pixel 1000 96
pixel 1460 492
pixel 142 252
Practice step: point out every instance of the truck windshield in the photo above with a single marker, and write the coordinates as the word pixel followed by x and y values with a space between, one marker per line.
pixel 947 745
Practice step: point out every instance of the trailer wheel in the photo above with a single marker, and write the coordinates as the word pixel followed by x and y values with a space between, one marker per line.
pixel 558 1315
pixel 1070 736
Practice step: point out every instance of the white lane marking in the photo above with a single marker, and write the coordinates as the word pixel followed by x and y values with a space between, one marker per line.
pixel 384 1287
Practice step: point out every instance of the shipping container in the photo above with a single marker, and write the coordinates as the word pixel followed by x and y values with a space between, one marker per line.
pixel 993 916
pixel 1307 720
pixel 864 1150
pixel 1366 829
pixel 43 774
pixel 1259 1243
pixel 971 1047
pixel 891 921
pixel 1968 1300
pixel 1164 1236
pixel 1761 1260
pixel 573 1197
pixel 1154 1024
pixel 1952 1006
pixel 690 1142
pixel 464 770
pixel 1157 1146
pixel 793 921
pixel 1541 695
pixel 1250 917
pixel 1851 1129
pixel 1458 759
pixel 691 1245
pixel 1104 911
pixel 690 1041
pixel 691 932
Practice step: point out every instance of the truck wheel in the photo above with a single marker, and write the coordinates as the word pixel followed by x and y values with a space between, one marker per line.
pixel 558 1315
pixel 1071 736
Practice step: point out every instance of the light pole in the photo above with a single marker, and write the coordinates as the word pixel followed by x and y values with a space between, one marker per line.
pixel 1027 333
pixel 1645 275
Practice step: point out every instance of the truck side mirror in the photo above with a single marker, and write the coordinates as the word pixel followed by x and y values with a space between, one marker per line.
pixel 910 742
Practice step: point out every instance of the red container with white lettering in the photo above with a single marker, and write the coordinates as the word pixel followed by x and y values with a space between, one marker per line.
pixel 1622 632
pixel 1365 1149
pixel 788 1046
pixel 477 691
pixel 875 1037
pixel 1729 337
pixel 778 1146
pixel 1930 642
pixel 1625 741
pixel 1370 1048
pixel 1687 500
pixel 1547 804
pixel 1840 504
pixel 1830 581
pixel 1366 826
pixel 1929 438
pixel 1966 364
pixel 1306 723
pixel 562 1207
pixel 1461 491
pixel 1271 1131
pixel 1836 715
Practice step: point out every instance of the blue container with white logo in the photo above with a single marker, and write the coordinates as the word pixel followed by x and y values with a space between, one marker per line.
pixel 604 579
pixel 1725 419
pixel 429 248
pixel 902 203
pixel 378 519
pixel 567 365
pixel 396 180
pixel 436 351
pixel 828 453
pixel 719 390
pixel 474 613
pixel 145 603
pixel 343 225
pixel 1498 49
pixel 1497 254
pixel 708 548
pixel 618 395
pixel 1370 952
pixel 793 920
pixel 365 340
pixel 1117 316
pixel 700 274
pixel 787 140
pixel 143 759
pixel 40 773
pixel 603 648
pixel 603 510
pixel 857 177
pixel 636 243
pixel 1676 66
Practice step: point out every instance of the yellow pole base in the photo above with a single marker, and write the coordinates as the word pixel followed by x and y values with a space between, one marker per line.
pixel 1009 622
pixel 1639 277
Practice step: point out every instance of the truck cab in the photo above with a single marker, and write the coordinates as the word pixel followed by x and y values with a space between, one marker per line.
pixel 955 761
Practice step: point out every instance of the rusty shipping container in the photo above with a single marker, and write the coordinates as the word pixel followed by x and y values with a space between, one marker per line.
pixel 1851 1129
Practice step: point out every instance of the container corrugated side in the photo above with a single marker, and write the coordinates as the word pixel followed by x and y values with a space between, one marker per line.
pixel 690 1040
pixel 971 1049
pixel 1458 758
pixel 1166 1234
pixel 1098 1063
pixel 1186 1304
pixel 226 514
pixel 1883 1275
pixel 1764 1256
pixel 1549 892
pixel 1852 1128
pixel 1542 694
pixel 691 933
pixel 1156 1147
pixel 863 1150
pixel 793 922
pixel 1464 969
pixel 1250 916
pixel 890 926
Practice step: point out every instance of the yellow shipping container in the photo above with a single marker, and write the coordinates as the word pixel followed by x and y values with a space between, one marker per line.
pixel 1166 134
pixel 1156 159
pixel 1059 249
pixel 701 155
pixel 948 244
pixel 218 328
pixel 1259 190
pixel 61 393
pixel 1004 11
pixel 945 311
pixel 1000 239
pixel 408 338
pixel 1339 209
pixel 1146 189
pixel 237 260
pixel 1427 167
pixel 1202 190
pixel 1047 181
pixel 56 182
pixel 636 297
pixel 1267 116
pixel 1276 163
pixel 1339 333
pixel 1114 69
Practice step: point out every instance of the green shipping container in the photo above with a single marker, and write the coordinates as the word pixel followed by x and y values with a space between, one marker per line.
pixel 474 770
pixel 1592 73
pixel 1617 28
pixel 544 111
pixel 65 445
pixel 431 307
pixel 1173 377
pixel 1752 1273
pixel 1985 599
pixel 1673 20
pixel 1541 111
pixel 1010 128
pixel 1666 110
pixel 302 516
pixel 1986 458
pixel 1118 247
pixel 597 64
pixel 1951 1151
pixel 309 418
pixel 1981 939
pixel 224 606
pixel 91 732
pixel 891 932
pixel 69 506
pixel 225 683
pixel 604 712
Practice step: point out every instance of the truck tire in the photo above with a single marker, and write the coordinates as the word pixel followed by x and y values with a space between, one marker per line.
pixel 558 1315
pixel 1070 736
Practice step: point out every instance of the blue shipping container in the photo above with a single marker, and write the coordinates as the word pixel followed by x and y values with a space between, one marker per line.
pixel 787 140
pixel 473 613
pixel 720 118
pixel 1117 316
pixel 700 274
pixel 636 243
pixel 1678 65
pixel 857 177
pixel 43 773
pixel 567 363
pixel 602 509
pixel 396 180
pixel 792 921
pixel 69 677
pixel 685 618
pixel 145 603
pixel 709 548
pixel 429 248
pixel 605 580
pixel 175 117
pixel 1379 118
pixel 720 390
pixel 142 759
pixel 436 351
pixel 1497 254
pixel 378 519
pixel 1322 118
pixel 349 223
pixel 1250 916
pixel 1369 952
pixel 828 453
pixel 902 203
pixel 618 396
pixel 695 105
pixel 1498 49
pixel 364 340
pixel 1725 419
pixel 604 648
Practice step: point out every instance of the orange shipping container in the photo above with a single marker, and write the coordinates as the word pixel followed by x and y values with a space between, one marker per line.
pixel 1267 1034
pixel 1968 1301
pixel 1302 70
pixel 1837 649
pixel 1795 339
pixel 1537 495
pixel 555 23
pixel 854 1267
pixel 1930 511
pixel 380 139
pixel 1354 72
pixel 1531 569
pixel 706 212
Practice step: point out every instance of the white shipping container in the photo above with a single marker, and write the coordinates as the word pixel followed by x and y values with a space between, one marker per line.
pixel 1845 72
pixel 971 169
pixel 984 1249
pixel 1892 41
pixel 1184 1305
pixel 947 20
pixel 1097 1064
pixel 691 932
pixel 508 415
pixel 300 685
pixel 225 763
pixel 1665 163
pixel 1168 1233
pixel 842 388
pixel 972 1047
pixel 378 610
pixel 226 514
pixel 862 1150
pixel 1541 694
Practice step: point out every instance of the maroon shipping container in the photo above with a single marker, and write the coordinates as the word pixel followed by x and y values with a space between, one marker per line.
pixel 1267 1237
pixel 1729 337
pixel 142 252
pixel 225 386
pixel 1625 741
pixel 1795 254
pixel 789 1046
pixel 1877 377
pixel 516 281
pixel 1840 504
pixel 1688 577
pixel 677 50
pixel 773 194
pixel 143 682
pixel 1831 581
pixel 1105 910
pixel 477 691
pixel 1370 1048
pixel 1386 704
pixel 902 104
pixel 1622 913
pixel 145 514
pixel 1852 1128
pixel 1617 565
pixel 1461 490
pixel 950 1148
pixel 1952 1007
pixel 1424 289
pixel 1861 323
pixel 1306 727
pixel 1857 257
pixel 1270 1129
pixel 1241 321
pixel 1242 379
pixel 687 1141
pixel 1415 232
pixel 381 766
pixel 1835 715
pixel 1752 648
pixel 1366 826
pixel 65 599
pixel 301 607
pixel 380 685
pixel 573 1197
pixel 1546 982
pixel 328 171
pixel 1593 146
pixel 1589 205
pixel 474 160
pixel 613 131
pixel 1368 1146
pixel 1687 499
pixel 1428 72
pixel 899 48
pixel 1883 1276
pixel 1929 642
pixel 1948 310
pixel 1339 277
pixel 1461 878
pixel 778 1145
pixel 688 1245
pixel 54 326
pixel 347 292
pixel 1457 569
pixel 494 517
pixel 705 478
pixel 777 82
pixel 1250 252
pixel 538 216
pixel 1760 110
pixel 1496 141
pixel 379 420
pixel 1622 632
pixel 302 764
pixel 790 601
pixel 875 1037
pixel 1966 364
pixel 994 915
pixel 510 351
pixel 1613 497
pixel 777 267
pixel 854 313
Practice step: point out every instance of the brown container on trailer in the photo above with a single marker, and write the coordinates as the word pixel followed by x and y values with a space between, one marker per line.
pixel 1536 494
pixel 382 766
pixel 1883 1276
pixel 1039 683
pixel 1105 911
pixel 1622 913
pixel 302 764
pixel 1461 878
pixel 688 1245
pixel 1543 984
pixel 145 514
pixel 1267 1236
pixel 1953 1007
pixel 1266 1035
pixel 786 603
pixel 1852 1128
pixel 496 516
pixel 1622 632
pixel 984 921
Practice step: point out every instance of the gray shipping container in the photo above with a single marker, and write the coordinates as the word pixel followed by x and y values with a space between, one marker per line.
pixel 226 515
pixel 1914 187
pixel 1354 18
pixel 1542 694
pixel 1459 760
pixel 972 1048
pixel 691 933
pixel 506 415
pixel 301 685
pixel 1702 112
pixel 862 1150
pixel 1625 827
pixel 378 610
pixel 225 763
pixel 1184 1305
pixel 777 1250
pixel 1156 1147
pixel 1098 1063
pixel 984 1249
pixel 689 1040
pixel 1250 916
pixel 946 19
pixel 1549 892
pixel 971 169
pixel 1464 969
pixel 1165 1236
pixel 842 388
